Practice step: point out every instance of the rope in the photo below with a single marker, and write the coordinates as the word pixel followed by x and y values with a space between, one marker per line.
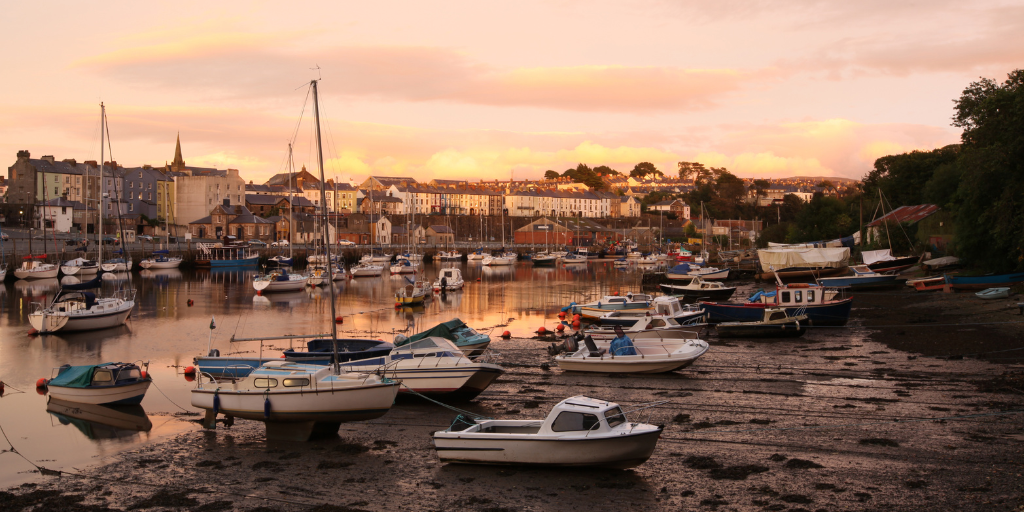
pixel 463 412
pixel 187 412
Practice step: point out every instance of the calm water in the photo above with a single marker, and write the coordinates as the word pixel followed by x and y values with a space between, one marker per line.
pixel 168 333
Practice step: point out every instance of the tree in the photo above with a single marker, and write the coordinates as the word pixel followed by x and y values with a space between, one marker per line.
pixel 551 175
pixel 644 169
pixel 824 218
pixel 902 178
pixel 761 187
pixel 690 170
pixel 605 170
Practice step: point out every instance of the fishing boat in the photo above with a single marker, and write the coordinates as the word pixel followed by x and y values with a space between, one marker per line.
pixel 824 306
pixel 413 293
pixel 78 310
pixel 615 302
pixel 79 267
pixel 982 282
pixel 776 323
pixel 279 281
pixel 863 277
pixel 656 352
pixel 100 384
pixel 404 266
pixel 790 263
pixel 366 270
pixel 662 307
pixel 160 260
pixel 698 288
pixel 449 279
pixel 432 366
pixel 467 339
pixel 34 268
pixel 993 293
pixel 579 431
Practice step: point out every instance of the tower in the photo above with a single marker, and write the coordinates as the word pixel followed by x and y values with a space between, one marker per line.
pixel 178 164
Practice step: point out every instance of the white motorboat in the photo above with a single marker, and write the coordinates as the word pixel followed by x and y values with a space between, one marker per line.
pixel 338 273
pixel 710 273
pixel 656 352
pixel 579 431
pixel 697 288
pixel 297 401
pixel 449 279
pixel 498 261
pixel 449 256
pixel 661 307
pixel 406 267
pixel 432 366
pixel 366 270
pixel 476 255
pixel 279 281
pixel 160 260
pixel 409 257
pixel 82 311
pixel 33 268
pixel 100 384
pixel 79 267
pixel 574 259
pixel 615 302
pixel 605 333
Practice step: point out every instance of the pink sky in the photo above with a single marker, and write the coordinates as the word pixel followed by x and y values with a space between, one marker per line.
pixel 484 90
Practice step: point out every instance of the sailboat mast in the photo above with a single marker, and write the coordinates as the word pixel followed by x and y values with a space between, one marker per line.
pixel 291 202
pixel 99 233
pixel 326 238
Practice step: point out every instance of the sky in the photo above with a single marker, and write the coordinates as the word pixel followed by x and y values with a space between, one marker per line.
pixel 493 90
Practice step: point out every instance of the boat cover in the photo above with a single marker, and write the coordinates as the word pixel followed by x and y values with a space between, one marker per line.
pixel 875 256
pixel 76 376
pixel 943 261
pixel 682 268
pixel 443 330
pixel 162 251
pixel 780 258
pixel 761 293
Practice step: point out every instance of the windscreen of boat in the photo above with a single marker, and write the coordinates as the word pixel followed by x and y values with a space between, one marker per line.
pixel 614 417
pixel 568 421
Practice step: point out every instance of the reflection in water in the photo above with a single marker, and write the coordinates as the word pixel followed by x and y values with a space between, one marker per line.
pixel 101 422
pixel 161 274
pixel 115 277
pixel 36 287
pixel 70 280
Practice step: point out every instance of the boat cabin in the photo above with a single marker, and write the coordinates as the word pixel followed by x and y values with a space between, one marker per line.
pixel 797 295
pixel 452 275
pixel 667 306
pixel 578 414
pixel 433 346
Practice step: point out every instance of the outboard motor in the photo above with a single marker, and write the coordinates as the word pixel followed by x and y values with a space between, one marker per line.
pixel 213 353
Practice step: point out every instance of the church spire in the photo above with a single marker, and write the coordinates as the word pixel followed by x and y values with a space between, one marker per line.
pixel 177 164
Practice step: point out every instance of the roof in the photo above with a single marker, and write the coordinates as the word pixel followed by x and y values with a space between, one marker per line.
pixel 205 220
pixel 906 214
pixel 261 199
pixel 398 230
pixel 440 229
pixel 249 218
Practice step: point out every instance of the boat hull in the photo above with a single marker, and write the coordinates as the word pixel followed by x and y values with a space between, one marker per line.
pixel 155 265
pixel 754 330
pixel 39 274
pixel 857 282
pixel 124 418
pixel 456 382
pixel 808 273
pixel 127 394
pixel 323 405
pixel 246 262
pixel 82 322
pixel 617 451
pixel 833 314
pixel 982 282
pixel 268 286
pixel 691 294
pixel 895 265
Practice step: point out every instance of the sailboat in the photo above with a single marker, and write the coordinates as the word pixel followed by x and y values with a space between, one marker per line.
pixel 504 258
pixel 73 308
pixel 161 259
pixel 3 258
pixel 280 280
pixel 82 266
pixel 298 401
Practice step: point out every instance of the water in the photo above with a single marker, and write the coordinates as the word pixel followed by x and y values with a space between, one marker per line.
pixel 167 332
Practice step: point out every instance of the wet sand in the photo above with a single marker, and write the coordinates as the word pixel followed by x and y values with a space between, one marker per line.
pixel 892 413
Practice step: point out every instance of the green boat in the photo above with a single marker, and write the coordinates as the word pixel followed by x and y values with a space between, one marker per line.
pixel 471 343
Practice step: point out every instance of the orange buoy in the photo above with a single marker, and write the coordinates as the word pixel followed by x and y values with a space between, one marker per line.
pixel 506 334
pixel 542 330
pixel 259 293
pixel 575 324
pixel 190 303
pixel 33 332
pixel 576 317
pixel 41 383
pixel 616 294
pixel 282 355
pixel 190 370
pixel 339 320
pixel 561 314
pixel 145 374
pixel 190 378
pixel 560 327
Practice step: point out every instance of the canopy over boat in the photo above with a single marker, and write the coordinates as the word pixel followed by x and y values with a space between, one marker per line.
pixel 444 330
pixel 823 257
pixel 80 376
pixel 876 256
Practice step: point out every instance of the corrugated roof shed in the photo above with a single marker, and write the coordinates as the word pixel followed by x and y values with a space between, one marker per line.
pixel 907 214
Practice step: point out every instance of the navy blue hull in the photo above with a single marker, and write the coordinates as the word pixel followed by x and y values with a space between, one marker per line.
pixel 835 314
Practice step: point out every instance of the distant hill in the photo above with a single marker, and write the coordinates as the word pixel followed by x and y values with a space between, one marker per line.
pixel 833 179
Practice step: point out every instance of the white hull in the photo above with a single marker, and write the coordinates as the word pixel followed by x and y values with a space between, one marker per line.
pixel 69 270
pixel 291 285
pixel 155 265
pixel 99 395
pixel 117 267
pixel 474 256
pixel 36 274
pixel 652 357
pixel 325 405
pixel 464 379
pixel 411 268
pixel 609 450
pixel 367 271
pixel 497 261
pixel 105 314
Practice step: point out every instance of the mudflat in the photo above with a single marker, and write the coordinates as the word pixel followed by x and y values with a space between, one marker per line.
pixel 917 405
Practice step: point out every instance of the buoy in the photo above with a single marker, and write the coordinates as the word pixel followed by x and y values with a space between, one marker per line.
pixel 575 324
pixel 542 330
pixel 561 315
pixel 144 375
pixel 398 304
pixel 33 332
pixel 560 327
pixel 576 317
pixel 190 377
pixel 41 383
pixel 190 370
pixel 266 408
pixel 616 294
pixel 190 303
pixel 259 293
pixel 283 356
pixel 506 335
pixel 339 320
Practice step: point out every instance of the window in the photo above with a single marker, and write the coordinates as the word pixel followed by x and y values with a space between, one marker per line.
pixel 785 297
pixel 264 383
pixel 614 417
pixel 810 295
pixel 574 421
pixel 798 296
pixel 291 383
pixel 131 207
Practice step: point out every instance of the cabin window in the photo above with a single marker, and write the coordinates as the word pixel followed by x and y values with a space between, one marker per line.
pixel 614 417
pixel 785 296
pixel 291 383
pixel 102 377
pixel 777 316
pixel 129 375
pixel 264 383
pixel 810 295
pixel 574 421
pixel 798 296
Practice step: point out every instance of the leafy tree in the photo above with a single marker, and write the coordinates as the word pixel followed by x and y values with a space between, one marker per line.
pixel 902 178
pixel 761 187
pixel 824 218
pixel 643 169
pixel 552 175
pixel 690 170
pixel 605 170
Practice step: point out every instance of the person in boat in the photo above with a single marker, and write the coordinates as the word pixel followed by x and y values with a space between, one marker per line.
pixel 621 345
pixel 444 284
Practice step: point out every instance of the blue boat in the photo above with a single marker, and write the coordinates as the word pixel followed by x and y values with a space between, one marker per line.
pixel 227 256
pixel 320 351
pixel 823 306
pixel 100 384
pixel 982 282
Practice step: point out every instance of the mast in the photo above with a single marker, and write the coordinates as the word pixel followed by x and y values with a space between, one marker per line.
pixel 99 233
pixel 291 202
pixel 326 238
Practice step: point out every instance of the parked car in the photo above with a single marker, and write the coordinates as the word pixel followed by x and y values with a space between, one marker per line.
pixel 145 238
pixel 5 237
pixel 346 242
pixel 280 243
pixel 260 243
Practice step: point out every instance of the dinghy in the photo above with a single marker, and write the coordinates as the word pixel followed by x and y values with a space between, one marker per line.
pixel 993 293
pixel 775 324
pixel 656 352
pixel 100 384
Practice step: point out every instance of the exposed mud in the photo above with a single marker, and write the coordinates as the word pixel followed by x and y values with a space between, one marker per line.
pixel 786 425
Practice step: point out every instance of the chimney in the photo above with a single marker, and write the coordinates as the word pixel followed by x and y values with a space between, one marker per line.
pixel 90 163
pixel 71 161
pixel 48 158
pixel 227 201
pixel 24 154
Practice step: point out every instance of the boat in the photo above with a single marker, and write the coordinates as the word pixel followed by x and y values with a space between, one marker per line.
pixel 101 421
pixel 3 260
pixel 100 384
pixel 73 309
pixel 318 351
pixel 823 306
pixel 863 277
pixel 415 292
pixel 981 282
pixel 299 401
pixel 316 276
pixel 432 366
pixel 159 260
pixel 993 293
pixel 882 261
pixel 497 261
pixel 449 279
pixel 579 431
pixel 117 265
pixel 684 271
pixel 634 255
pixel 656 352
pixel 789 263
pixel 574 259
pixel 79 267
pixel 943 263
pixel 413 257
pixel 776 323
pixel 467 339
pixel 404 266
pixel 662 307
pixel 615 302
pixel 366 270
pixel 476 255
pixel 34 268
pixel 338 272
pixel 698 288
pixel 231 254
pixel 687 330
pixel 449 256
pixel 544 260
pixel 279 281
pixel 278 261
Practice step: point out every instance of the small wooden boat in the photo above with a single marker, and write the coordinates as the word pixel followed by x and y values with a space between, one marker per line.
pixel 579 431
pixel 33 268
pixel 100 384
pixel 993 293
pixel 982 282
pixel 776 324
pixel 656 352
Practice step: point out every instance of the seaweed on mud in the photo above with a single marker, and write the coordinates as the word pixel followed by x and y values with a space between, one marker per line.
pixel 802 464
pixel 736 472
pixel 267 464
pixel 532 404
pixel 165 498
pixel 702 424
pixel 209 464
pixel 335 508
pixel 795 498
pixel 756 421
pixel 701 462
pixel 264 479
pixel 681 418
pixel 473 500
pixel 330 464
pixel 289 456
pixel 727 422
pixel 350 448
pixel 777 457
pixel 616 485
pixel 714 503
pixel 383 444
pixel 687 494
pixel 215 505
pixel 766 490
pixel 1008 382
pixel 862 496
pixel 916 484
pixel 879 441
